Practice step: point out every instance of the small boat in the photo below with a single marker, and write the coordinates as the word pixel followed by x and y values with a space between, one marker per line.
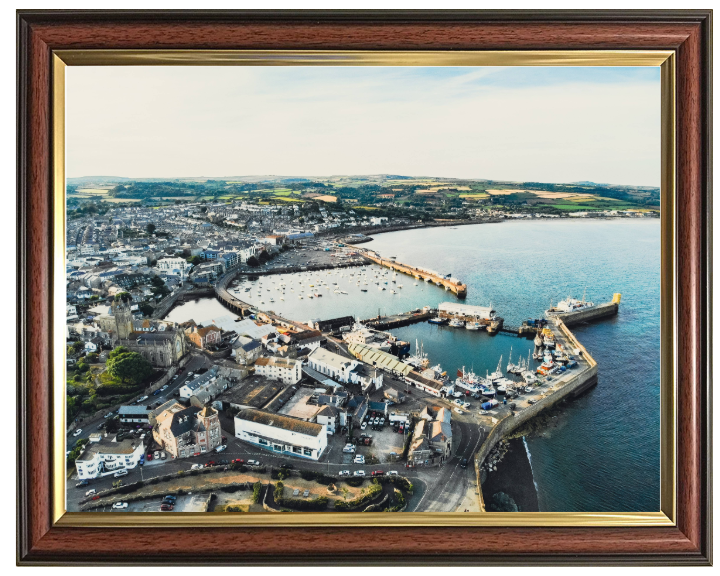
pixel 393 292
pixel 473 326
pixel 318 295
pixel 300 298
pixel 363 290
pixel 381 288
pixel 437 320
pixel 343 292
pixel 455 323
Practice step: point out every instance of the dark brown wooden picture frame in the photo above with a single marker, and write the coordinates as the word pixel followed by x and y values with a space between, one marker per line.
pixel 687 33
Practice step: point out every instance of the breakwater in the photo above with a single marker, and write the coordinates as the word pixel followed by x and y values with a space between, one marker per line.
pixel 505 421
pixel 588 314
pixel 450 284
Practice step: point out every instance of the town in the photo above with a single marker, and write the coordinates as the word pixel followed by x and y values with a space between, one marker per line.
pixel 254 411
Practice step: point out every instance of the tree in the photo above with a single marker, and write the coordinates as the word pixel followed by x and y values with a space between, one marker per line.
pixel 194 260
pixel 129 367
pixel 264 256
pixel 117 351
pixel 150 228
pixel 252 261
pixel 76 347
pixel 146 309
pixel 123 296
pixel 92 357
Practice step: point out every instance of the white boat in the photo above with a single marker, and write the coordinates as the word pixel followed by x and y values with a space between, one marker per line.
pixel 473 326
pixel 393 292
pixel 529 377
pixel 455 323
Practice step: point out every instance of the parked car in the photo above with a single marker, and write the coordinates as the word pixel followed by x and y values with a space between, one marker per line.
pixel 220 448
pixel 119 505
pixel 377 473
pixel 120 473
pixel 142 399
pixel 77 432
pixel 90 492
pixel 157 392
pixel 359 473
pixel 458 411
pixel 211 463
pixel 344 473
pixel 359 459
pixel 82 483
pixel 382 421
pixel 162 456
pixel 363 426
pixel 170 498
pixel 191 373
pixel 287 466
pixel 392 473
pixel 238 461
pixel 253 463
pixel 164 387
pixel 196 466
pixel 108 415
pixel 166 507
pixel 157 454
pixel 224 439
pixel 463 463
pixel 149 456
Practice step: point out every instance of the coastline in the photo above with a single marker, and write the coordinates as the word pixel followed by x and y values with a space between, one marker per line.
pixel 513 477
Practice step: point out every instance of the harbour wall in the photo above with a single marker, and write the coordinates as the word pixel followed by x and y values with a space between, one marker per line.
pixel 576 385
pixel 599 311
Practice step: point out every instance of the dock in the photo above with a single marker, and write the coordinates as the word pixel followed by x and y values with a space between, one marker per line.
pixel 587 314
pixel 397 320
pixel 450 284
pixel 503 420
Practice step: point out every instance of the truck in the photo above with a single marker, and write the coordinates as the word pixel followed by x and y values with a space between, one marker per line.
pixel 490 404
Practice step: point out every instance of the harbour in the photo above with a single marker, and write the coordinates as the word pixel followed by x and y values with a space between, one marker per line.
pixel 454 347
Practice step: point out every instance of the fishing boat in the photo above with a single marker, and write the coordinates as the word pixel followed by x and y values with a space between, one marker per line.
pixel 343 292
pixel 456 323
pixel 381 287
pixel 393 292
pixel 473 326
pixel 363 290
pixel 437 320
pixel 318 295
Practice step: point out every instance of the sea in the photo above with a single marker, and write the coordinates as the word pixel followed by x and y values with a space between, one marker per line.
pixel 599 452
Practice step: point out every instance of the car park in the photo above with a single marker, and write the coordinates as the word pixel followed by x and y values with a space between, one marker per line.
pixel 359 473
pixel 77 432
pixel 120 473
pixel 119 505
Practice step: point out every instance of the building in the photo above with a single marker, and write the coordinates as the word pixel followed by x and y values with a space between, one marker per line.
pixel 246 350
pixel 329 416
pixel 136 414
pixel 284 369
pixel 275 239
pixel 465 311
pixel 184 432
pixel 346 370
pixel 281 434
pixel 206 386
pixel 162 348
pixel 174 266
pixel 107 457
pixel 203 336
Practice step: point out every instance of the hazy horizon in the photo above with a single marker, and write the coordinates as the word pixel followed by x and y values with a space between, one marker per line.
pixel 521 124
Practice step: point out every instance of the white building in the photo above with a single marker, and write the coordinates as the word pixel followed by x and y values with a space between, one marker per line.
pixel 107 457
pixel 286 370
pixel 457 309
pixel 174 266
pixel 281 434
pixel 345 370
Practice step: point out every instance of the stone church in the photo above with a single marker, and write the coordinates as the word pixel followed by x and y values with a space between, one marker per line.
pixel 162 346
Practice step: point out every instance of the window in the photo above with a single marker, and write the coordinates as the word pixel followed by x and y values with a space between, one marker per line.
pixel 263 441
pixel 297 450
pixel 308 451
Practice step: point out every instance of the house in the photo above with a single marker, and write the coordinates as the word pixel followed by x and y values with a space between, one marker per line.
pixel 307 340
pixel 329 416
pixel 246 350
pixel 138 414
pixel 436 429
pixel 203 336
pixel 107 457
pixel 284 369
pixel 281 434
pixel 184 432
pixel 275 239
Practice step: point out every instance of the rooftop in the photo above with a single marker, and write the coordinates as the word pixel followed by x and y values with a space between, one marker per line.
pixel 331 359
pixel 279 421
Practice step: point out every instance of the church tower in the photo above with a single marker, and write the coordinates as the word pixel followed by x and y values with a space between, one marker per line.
pixel 123 319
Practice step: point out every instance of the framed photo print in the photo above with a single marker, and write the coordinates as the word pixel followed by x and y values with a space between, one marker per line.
pixel 310 287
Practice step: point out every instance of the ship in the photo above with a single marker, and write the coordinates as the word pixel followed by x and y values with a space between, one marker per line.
pixel 474 326
pixel 437 320
pixel 572 311
pixel 418 360
pixel 383 341
pixel 455 323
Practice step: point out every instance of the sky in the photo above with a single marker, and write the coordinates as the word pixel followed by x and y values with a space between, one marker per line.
pixel 540 124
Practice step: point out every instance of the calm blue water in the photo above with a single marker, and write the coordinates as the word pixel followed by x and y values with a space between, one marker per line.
pixel 603 455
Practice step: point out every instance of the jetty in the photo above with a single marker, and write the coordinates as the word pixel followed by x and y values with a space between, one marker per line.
pixel 450 284
pixel 505 419
pixel 398 320
pixel 586 313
